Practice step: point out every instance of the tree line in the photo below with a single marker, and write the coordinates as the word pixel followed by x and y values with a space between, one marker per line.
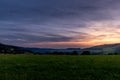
pixel 65 53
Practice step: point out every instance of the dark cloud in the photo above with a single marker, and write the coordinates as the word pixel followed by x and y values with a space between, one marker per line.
pixel 46 9
pixel 14 29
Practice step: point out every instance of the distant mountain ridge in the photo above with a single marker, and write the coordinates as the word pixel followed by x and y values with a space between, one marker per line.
pixel 45 50
pixel 100 49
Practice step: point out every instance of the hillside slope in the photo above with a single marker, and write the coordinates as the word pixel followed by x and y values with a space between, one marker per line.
pixel 11 49
pixel 105 49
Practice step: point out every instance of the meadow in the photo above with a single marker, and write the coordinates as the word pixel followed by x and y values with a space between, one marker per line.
pixel 59 67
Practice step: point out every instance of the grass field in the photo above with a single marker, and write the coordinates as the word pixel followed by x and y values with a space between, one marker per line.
pixel 36 67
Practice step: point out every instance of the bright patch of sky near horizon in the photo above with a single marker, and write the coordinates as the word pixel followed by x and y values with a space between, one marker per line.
pixel 59 23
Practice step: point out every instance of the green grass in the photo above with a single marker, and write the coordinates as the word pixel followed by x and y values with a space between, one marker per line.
pixel 49 67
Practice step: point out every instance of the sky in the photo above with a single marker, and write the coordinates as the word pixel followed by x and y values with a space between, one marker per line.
pixel 59 23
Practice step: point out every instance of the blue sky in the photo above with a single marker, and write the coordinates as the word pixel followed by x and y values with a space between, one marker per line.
pixel 59 23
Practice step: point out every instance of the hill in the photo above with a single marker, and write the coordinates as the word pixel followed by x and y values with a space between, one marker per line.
pixel 11 49
pixel 100 49
pixel 104 49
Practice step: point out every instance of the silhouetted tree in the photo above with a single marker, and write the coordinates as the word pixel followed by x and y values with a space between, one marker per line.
pixel 86 53
pixel 116 53
pixel 74 53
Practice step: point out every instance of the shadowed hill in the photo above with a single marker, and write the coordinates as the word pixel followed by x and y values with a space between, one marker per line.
pixel 104 49
pixel 11 49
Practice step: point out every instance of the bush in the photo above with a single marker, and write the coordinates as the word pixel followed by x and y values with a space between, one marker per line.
pixel 74 53
pixel 86 53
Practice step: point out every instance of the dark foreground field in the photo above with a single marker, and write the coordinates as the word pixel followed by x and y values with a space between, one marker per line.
pixel 36 67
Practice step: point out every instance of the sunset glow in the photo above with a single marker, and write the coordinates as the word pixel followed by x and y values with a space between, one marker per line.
pixel 59 24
